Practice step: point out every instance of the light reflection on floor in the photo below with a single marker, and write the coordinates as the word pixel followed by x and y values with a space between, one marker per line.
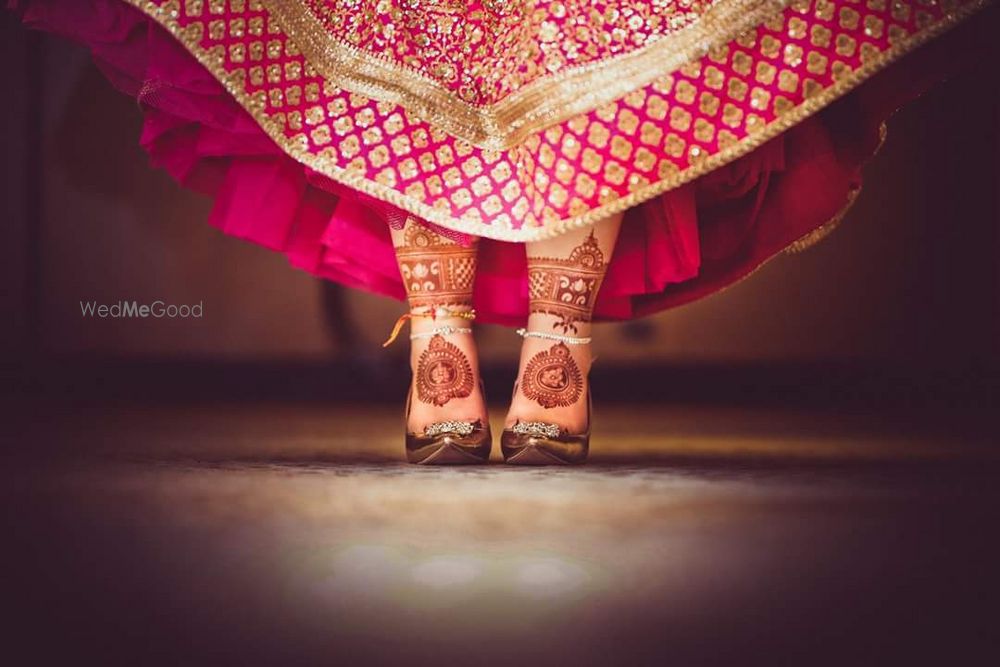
pixel 255 542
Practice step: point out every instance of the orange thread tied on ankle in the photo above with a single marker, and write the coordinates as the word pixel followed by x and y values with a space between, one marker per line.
pixel 433 314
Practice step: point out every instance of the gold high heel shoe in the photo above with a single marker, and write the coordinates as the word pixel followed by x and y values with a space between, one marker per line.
pixel 450 442
pixel 543 444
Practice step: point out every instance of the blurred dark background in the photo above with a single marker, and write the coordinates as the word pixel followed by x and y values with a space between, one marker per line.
pixel 902 300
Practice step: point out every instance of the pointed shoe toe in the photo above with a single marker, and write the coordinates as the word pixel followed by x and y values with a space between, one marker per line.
pixel 460 446
pixel 524 448
pixel 543 444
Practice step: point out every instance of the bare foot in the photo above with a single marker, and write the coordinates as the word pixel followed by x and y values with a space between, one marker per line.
pixel 445 376
pixel 552 383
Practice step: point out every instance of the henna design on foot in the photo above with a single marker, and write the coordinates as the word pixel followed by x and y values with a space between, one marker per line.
pixel 552 378
pixel 567 288
pixel 443 373
pixel 436 271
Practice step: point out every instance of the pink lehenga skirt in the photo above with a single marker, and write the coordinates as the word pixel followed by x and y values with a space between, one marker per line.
pixel 728 131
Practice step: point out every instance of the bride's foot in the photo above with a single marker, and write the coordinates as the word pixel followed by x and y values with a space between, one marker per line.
pixel 447 421
pixel 549 417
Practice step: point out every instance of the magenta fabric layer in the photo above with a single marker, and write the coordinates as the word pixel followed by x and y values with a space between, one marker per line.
pixel 681 246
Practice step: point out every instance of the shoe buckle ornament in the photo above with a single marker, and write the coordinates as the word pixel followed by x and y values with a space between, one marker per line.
pixel 454 427
pixel 537 429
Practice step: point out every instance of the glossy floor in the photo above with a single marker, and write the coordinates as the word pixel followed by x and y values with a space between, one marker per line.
pixel 292 534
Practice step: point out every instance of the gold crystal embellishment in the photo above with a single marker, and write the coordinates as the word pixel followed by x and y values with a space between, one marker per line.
pixel 620 141
pixel 537 428
pixel 541 93
pixel 455 427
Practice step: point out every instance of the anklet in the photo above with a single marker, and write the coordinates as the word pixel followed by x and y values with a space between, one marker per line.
pixel 434 314
pixel 442 312
pixel 440 331
pixel 524 333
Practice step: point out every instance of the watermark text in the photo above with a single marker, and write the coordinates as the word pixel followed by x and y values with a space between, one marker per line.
pixel 158 309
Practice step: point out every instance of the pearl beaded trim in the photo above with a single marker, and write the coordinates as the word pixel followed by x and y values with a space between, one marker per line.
pixel 440 331
pixel 524 333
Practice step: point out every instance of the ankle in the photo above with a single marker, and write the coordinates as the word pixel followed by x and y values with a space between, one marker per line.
pixel 425 327
pixel 553 324
pixel 575 349
pixel 424 319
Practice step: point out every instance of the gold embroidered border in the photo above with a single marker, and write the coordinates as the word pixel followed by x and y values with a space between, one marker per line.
pixel 828 227
pixel 804 242
pixel 810 239
pixel 301 153
pixel 824 230
pixel 540 104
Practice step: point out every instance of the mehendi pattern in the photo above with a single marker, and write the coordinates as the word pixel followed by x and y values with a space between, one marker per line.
pixel 443 373
pixel 436 272
pixel 567 288
pixel 484 51
pixel 552 378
